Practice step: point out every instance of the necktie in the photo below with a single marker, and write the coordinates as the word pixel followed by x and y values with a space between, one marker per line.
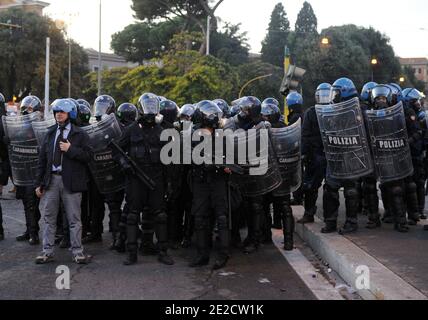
pixel 58 152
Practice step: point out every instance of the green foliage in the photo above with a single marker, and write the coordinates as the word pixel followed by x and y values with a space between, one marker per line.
pixel 265 88
pixel 144 41
pixel 276 39
pixel 111 79
pixel 22 63
pixel 306 23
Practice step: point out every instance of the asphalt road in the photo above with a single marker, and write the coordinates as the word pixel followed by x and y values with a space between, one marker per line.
pixel 264 275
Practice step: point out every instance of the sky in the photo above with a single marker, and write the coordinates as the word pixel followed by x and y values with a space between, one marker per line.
pixel 405 24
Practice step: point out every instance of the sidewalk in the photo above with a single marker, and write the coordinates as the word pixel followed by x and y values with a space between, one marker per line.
pixel 398 263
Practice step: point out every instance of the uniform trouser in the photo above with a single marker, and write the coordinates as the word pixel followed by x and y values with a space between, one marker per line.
pixel 419 178
pixel 395 198
pixel 371 198
pixel 124 215
pixel 142 197
pixel 282 205
pixel 313 177
pixel 31 209
pixel 411 197
pixel 97 210
pixel 331 200
pixel 114 202
pixel 49 205
pixel 210 203
pixel 254 216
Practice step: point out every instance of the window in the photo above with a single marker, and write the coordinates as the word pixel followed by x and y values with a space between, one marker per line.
pixel 420 70
pixel 95 68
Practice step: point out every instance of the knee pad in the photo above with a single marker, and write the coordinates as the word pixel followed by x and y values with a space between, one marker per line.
pixel 370 188
pixel 202 223
pixel 222 222
pixel 411 187
pixel 351 193
pixel 132 219
pixel 397 191
pixel 161 217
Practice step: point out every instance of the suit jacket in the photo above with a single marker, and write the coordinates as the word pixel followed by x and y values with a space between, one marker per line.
pixel 74 161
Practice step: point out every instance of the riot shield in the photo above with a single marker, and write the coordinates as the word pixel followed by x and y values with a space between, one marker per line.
pixel 107 173
pixel 41 128
pixel 287 150
pixel 389 143
pixel 23 148
pixel 345 141
pixel 262 173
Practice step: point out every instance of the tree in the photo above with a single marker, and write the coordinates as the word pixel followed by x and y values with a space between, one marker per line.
pixel 22 66
pixel 184 76
pixel 276 38
pixel 304 43
pixel 268 87
pixel 143 41
pixel 111 79
pixel 230 45
pixel 194 12
pixel 306 23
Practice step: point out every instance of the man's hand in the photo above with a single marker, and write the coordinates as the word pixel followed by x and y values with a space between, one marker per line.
pixel 39 192
pixel 64 146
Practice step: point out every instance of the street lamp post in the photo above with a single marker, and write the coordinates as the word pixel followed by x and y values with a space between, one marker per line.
pixel 99 55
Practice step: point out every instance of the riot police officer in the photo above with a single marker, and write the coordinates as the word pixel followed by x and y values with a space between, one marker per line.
pixel 142 142
pixel 342 90
pixel 184 203
pixel 169 111
pixel 209 194
pixel 313 154
pixel 104 105
pixel 29 105
pixel 392 172
pixel 271 113
pixel 416 127
pixel 279 197
pixel 127 115
pixel 224 107
pixel 295 105
pixel 250 117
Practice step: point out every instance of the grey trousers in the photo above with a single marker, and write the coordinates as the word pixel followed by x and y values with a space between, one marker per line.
pixel 49 207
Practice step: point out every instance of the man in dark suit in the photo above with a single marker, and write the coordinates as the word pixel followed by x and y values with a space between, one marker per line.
pixel 63 177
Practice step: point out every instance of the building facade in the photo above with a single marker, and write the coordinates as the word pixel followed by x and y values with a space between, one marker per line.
pixel 26 5
pixel 108 61
pixel 419 65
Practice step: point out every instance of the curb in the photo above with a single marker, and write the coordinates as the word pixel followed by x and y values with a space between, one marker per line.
pixel 345 257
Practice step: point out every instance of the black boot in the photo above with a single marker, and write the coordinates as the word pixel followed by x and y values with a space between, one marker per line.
pixel 202 256
pixel 34 240
pixel 348 228
pixel 23 237
pixel 164 258
pixel 329 227
pixel 131 259
pixel 223 254
pixel 115 241
pixel 121 243
pixel 373 224
pixel 306 219
pixel 288 223
pixel 400 227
